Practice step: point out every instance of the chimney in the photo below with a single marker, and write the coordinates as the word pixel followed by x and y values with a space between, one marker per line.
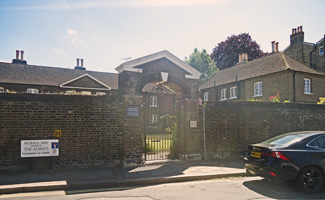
pixel 276 46
pixel 17 54
pixel 240 58
pixel 273 47
pixel 22 55
pixel 21 60
pixel 82 63
pixel 297 37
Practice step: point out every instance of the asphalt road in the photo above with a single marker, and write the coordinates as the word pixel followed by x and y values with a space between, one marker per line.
pixel 230 188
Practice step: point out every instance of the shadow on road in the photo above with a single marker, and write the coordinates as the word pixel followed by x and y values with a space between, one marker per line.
pixel 280 190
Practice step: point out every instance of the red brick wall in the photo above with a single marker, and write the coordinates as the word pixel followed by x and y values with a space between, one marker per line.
pixel 91 130
pixel 230 126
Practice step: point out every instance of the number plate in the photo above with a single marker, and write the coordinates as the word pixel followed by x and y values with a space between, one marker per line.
pixel 256 154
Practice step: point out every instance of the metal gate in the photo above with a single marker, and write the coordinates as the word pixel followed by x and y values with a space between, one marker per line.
pixel 158 146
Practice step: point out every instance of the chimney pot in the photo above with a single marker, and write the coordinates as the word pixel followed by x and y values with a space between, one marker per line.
pixel 294 30
pixel 273 48
pixel 82 62
pixel 77 62
pixel 17 54
pixel 246 57
pixel 22 55
pixel 276 46
pixel 300 28
pixel 239 58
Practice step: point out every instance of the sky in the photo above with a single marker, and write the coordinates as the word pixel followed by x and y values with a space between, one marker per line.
pixel 103 32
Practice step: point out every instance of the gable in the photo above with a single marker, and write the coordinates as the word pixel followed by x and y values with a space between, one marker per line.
pixel 85 82
pixel 133 66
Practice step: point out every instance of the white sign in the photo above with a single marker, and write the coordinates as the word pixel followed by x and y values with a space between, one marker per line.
pixel 39 148
pixel 193 124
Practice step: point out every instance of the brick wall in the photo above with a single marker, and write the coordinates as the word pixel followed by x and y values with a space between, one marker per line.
pixel 230 126
pixel 91 130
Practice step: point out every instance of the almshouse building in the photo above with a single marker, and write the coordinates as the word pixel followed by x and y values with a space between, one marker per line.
pixel 264 77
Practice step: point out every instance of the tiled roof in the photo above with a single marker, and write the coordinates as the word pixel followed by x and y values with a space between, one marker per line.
pixel 50 76
pixel 272 63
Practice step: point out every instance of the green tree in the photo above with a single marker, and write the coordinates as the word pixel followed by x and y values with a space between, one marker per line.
pixel 202 62
pixel 225 54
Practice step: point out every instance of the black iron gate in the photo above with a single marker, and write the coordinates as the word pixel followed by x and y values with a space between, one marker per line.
pixel 158 146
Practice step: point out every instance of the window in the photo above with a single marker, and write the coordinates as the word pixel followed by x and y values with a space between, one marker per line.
pixel 153 101
pixel 32 91
pixel 318 143
pixel 153 119
pixel 206 96
pixel 307 86
pixel 321 51
pixel 224 94
pixel 2 90
pixel 258 89
pixel 100 93
pixel 233 92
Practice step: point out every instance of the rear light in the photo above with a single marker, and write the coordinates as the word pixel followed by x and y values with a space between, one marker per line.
pixel 275 154
pixel 272 173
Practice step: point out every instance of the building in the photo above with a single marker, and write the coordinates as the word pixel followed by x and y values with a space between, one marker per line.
pixel 20 77
pixel 311 54
pixel 276 73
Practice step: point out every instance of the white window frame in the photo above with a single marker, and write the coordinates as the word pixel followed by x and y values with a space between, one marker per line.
pixel 153 119
pixel 258 89
pixel 223 94
pixel 153 101
pixel 33 91
pixel 307 86
pixel 233 92
pixel 321 51
pixel 206 97
pixel 2 90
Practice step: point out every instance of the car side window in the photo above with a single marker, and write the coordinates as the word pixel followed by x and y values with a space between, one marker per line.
pixel 318 143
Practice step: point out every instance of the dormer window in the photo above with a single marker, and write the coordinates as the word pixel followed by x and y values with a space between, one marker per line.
pixel 32 91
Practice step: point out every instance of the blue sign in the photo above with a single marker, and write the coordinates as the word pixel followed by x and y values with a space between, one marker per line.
pixel 55 145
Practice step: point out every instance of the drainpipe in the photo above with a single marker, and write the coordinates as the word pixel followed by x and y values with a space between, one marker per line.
pixel 294 86
pixel 204 143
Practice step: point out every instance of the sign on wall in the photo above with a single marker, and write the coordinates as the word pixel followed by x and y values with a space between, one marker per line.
pixel 132 111
pixel 39 148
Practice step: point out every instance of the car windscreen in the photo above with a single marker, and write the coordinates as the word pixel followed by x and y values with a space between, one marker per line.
pixel 283 140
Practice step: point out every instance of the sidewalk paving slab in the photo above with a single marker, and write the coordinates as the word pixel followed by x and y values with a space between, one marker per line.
pixel 148 174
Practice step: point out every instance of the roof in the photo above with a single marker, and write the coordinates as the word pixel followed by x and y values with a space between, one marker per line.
pixel 269 64
pixel 51 76
pixel 133 64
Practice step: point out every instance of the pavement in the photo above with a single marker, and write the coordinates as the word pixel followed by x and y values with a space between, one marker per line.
pixel 150 173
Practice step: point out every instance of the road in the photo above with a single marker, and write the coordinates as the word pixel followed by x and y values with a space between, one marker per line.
pixel 229 188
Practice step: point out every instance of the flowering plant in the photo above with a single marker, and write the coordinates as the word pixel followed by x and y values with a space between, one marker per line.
pixel 275 98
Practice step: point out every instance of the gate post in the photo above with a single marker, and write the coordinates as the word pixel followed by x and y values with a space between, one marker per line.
pixel 132 130
pixel 190 130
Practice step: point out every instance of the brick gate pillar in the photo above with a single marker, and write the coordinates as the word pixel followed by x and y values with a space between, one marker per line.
pixel 132 129
pixel 190 130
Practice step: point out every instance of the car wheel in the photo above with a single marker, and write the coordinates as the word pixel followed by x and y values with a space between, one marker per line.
pixel 310 179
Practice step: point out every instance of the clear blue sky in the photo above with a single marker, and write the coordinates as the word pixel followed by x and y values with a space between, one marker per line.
pixel 56 32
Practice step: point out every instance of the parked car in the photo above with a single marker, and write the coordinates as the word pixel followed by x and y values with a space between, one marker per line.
pixel 297 156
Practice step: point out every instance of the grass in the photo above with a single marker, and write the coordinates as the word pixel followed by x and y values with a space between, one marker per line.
pixel 158 142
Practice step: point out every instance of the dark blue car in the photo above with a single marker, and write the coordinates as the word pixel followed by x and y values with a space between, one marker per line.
pixel 297 156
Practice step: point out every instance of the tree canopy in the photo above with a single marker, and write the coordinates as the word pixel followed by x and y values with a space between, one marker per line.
pixel 201 61
pixel 225 54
